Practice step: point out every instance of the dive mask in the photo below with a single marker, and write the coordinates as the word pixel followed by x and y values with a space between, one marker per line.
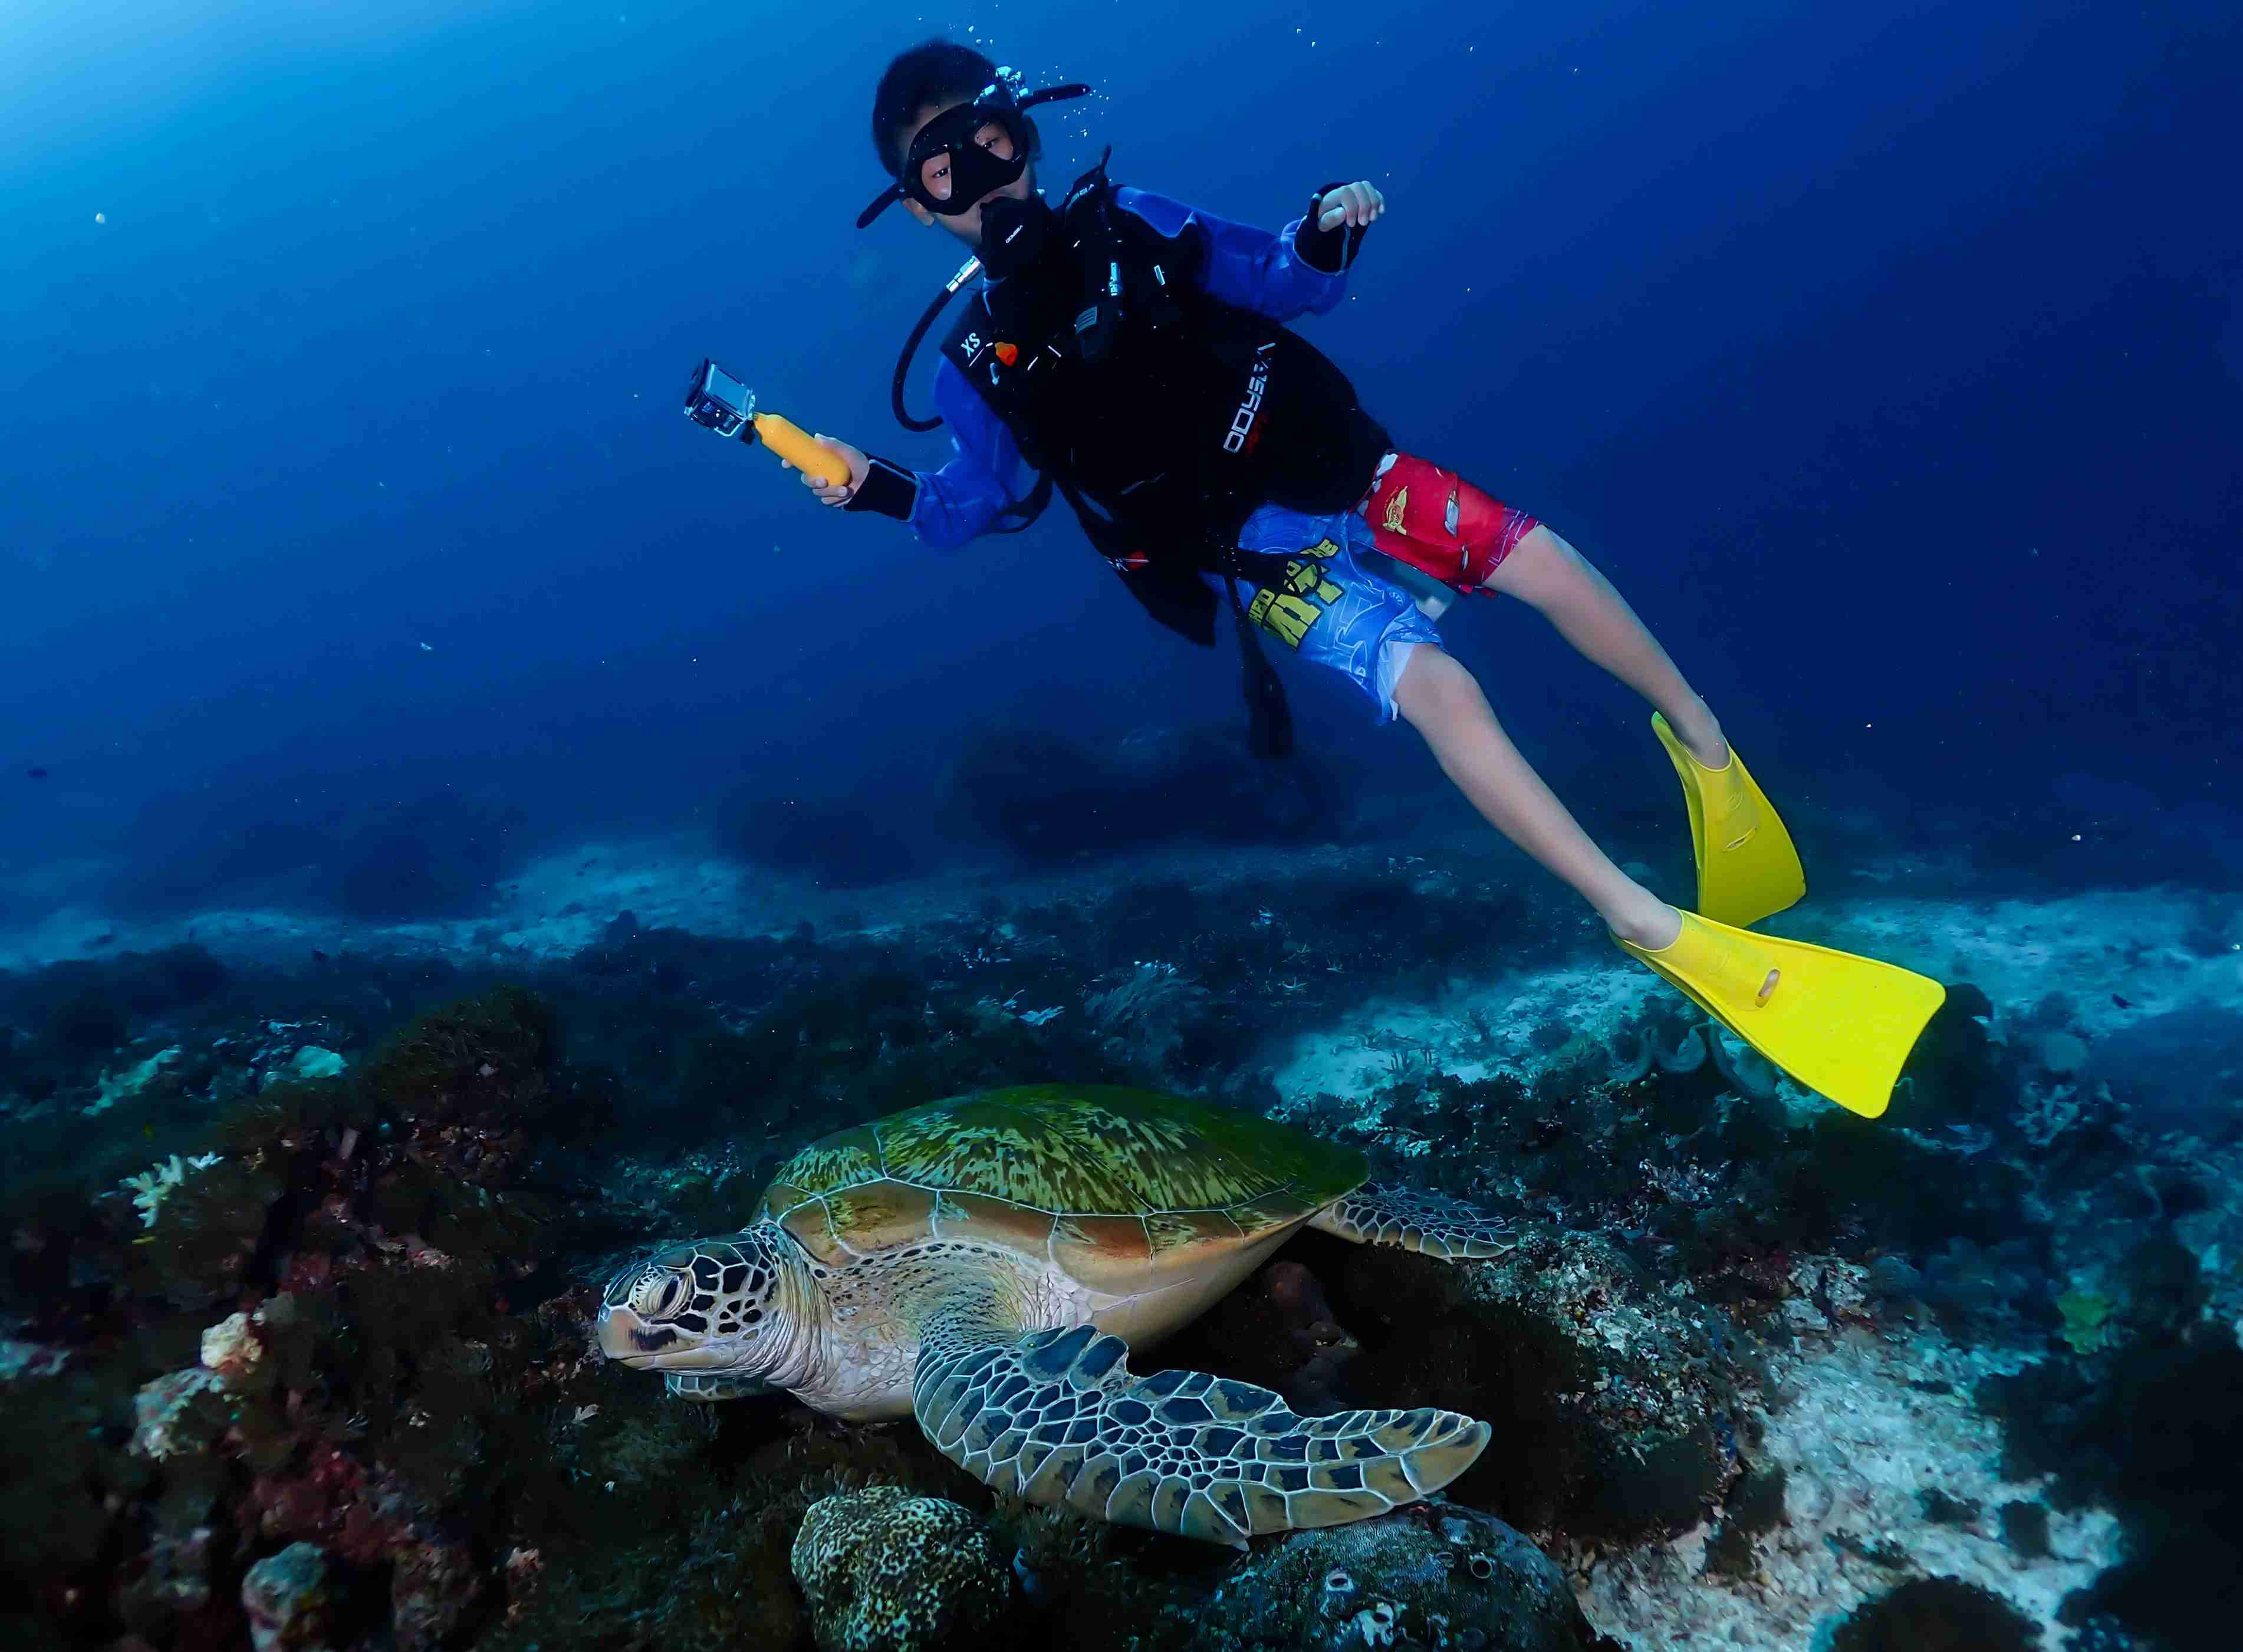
pixel 968 149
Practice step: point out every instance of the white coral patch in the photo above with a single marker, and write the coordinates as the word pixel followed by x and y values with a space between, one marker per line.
pixel 232 1349
pixel 118 1087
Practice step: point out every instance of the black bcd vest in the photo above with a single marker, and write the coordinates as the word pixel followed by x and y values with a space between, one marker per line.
pixel 1165 415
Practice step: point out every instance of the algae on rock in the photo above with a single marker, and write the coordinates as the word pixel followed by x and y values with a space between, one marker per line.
pixel 888 1572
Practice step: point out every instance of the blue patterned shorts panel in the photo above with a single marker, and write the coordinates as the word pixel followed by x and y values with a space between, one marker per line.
pixel 1328 604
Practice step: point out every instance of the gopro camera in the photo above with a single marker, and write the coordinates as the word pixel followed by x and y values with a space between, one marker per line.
pixel 715 401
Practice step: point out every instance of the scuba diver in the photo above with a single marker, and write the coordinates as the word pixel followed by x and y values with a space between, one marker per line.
pixel 1131 351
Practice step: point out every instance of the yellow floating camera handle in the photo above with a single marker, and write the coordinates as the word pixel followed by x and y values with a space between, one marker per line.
pixel 801 449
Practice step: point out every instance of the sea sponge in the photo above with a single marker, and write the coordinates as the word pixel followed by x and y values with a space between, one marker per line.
pixel 888 1572
pixel 233 1349
pixel 2087 1324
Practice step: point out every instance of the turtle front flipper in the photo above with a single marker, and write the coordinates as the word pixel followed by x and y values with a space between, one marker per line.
pixel 1380 1213
pixel 708 1388
pixel 1056 1417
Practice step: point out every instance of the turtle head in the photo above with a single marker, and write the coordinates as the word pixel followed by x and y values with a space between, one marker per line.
pixel 710 1305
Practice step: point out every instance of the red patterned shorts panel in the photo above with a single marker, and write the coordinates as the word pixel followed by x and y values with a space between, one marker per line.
pixel 1438 523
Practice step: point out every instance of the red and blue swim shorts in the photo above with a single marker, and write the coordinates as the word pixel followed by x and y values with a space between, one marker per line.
pixel 1440 523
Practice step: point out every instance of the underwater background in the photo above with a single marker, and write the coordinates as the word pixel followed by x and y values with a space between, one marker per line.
pixel 461 825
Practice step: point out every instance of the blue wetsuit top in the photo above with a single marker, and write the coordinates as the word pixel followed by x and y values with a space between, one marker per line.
pixel 1245 266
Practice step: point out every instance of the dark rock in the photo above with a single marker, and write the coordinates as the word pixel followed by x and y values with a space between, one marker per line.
pixel 1617 1400
pixel 1755 1505
pixel 837 846
pixel 90 1022
pixel 1278 1330
pixel 176 1581
pixel 2024 1528
pixel 1395 1580
pixel 2153 1431
pixel 1943 1510
pixel 1935 1614
pixel 885 1571
pixel 2181 1070
pixel 430 1594
pixel 286 1597
pixel 440 854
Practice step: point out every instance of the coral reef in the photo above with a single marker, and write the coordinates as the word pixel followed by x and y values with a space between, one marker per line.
pixel 1621 1402
pixel 888 1572
pixel 292 1332
pixel 1436 1575
pixel 336 1371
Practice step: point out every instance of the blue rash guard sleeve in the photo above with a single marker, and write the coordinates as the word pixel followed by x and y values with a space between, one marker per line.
pixel 1247 266
pixel 960 501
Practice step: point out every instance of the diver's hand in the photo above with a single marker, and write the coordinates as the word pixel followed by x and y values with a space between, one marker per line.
pixel 1354 205
pixel 860 467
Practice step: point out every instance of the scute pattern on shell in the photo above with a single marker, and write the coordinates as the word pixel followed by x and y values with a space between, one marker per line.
pixel 1115 1179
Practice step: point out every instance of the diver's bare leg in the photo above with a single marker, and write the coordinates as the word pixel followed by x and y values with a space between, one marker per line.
pixel 1439 699
pixel 1552 577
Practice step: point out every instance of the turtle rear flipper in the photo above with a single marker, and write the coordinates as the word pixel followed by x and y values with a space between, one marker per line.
pixel 1056 1417
pixel 1380 1213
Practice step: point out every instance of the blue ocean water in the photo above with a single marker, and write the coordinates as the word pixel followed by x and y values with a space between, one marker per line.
pixel 371 620
pixel 1887 360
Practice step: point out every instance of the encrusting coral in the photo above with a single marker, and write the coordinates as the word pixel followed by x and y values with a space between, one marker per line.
pixel 885 1571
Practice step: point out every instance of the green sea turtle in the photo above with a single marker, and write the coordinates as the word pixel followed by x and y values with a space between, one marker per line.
pixel 985 1263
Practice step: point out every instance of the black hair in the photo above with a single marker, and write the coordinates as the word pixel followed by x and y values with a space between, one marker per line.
pixel 935 72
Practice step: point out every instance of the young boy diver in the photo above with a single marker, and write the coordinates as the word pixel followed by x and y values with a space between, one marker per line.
pixel 1130 350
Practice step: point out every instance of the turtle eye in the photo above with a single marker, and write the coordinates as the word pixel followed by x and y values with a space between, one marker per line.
pixel 656 1295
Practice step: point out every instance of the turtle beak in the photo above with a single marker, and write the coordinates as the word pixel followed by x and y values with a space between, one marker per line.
pixel 625 1337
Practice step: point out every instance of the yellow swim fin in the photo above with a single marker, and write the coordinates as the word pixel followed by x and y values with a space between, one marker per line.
pixel 1839 1024
pixel 1746 867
